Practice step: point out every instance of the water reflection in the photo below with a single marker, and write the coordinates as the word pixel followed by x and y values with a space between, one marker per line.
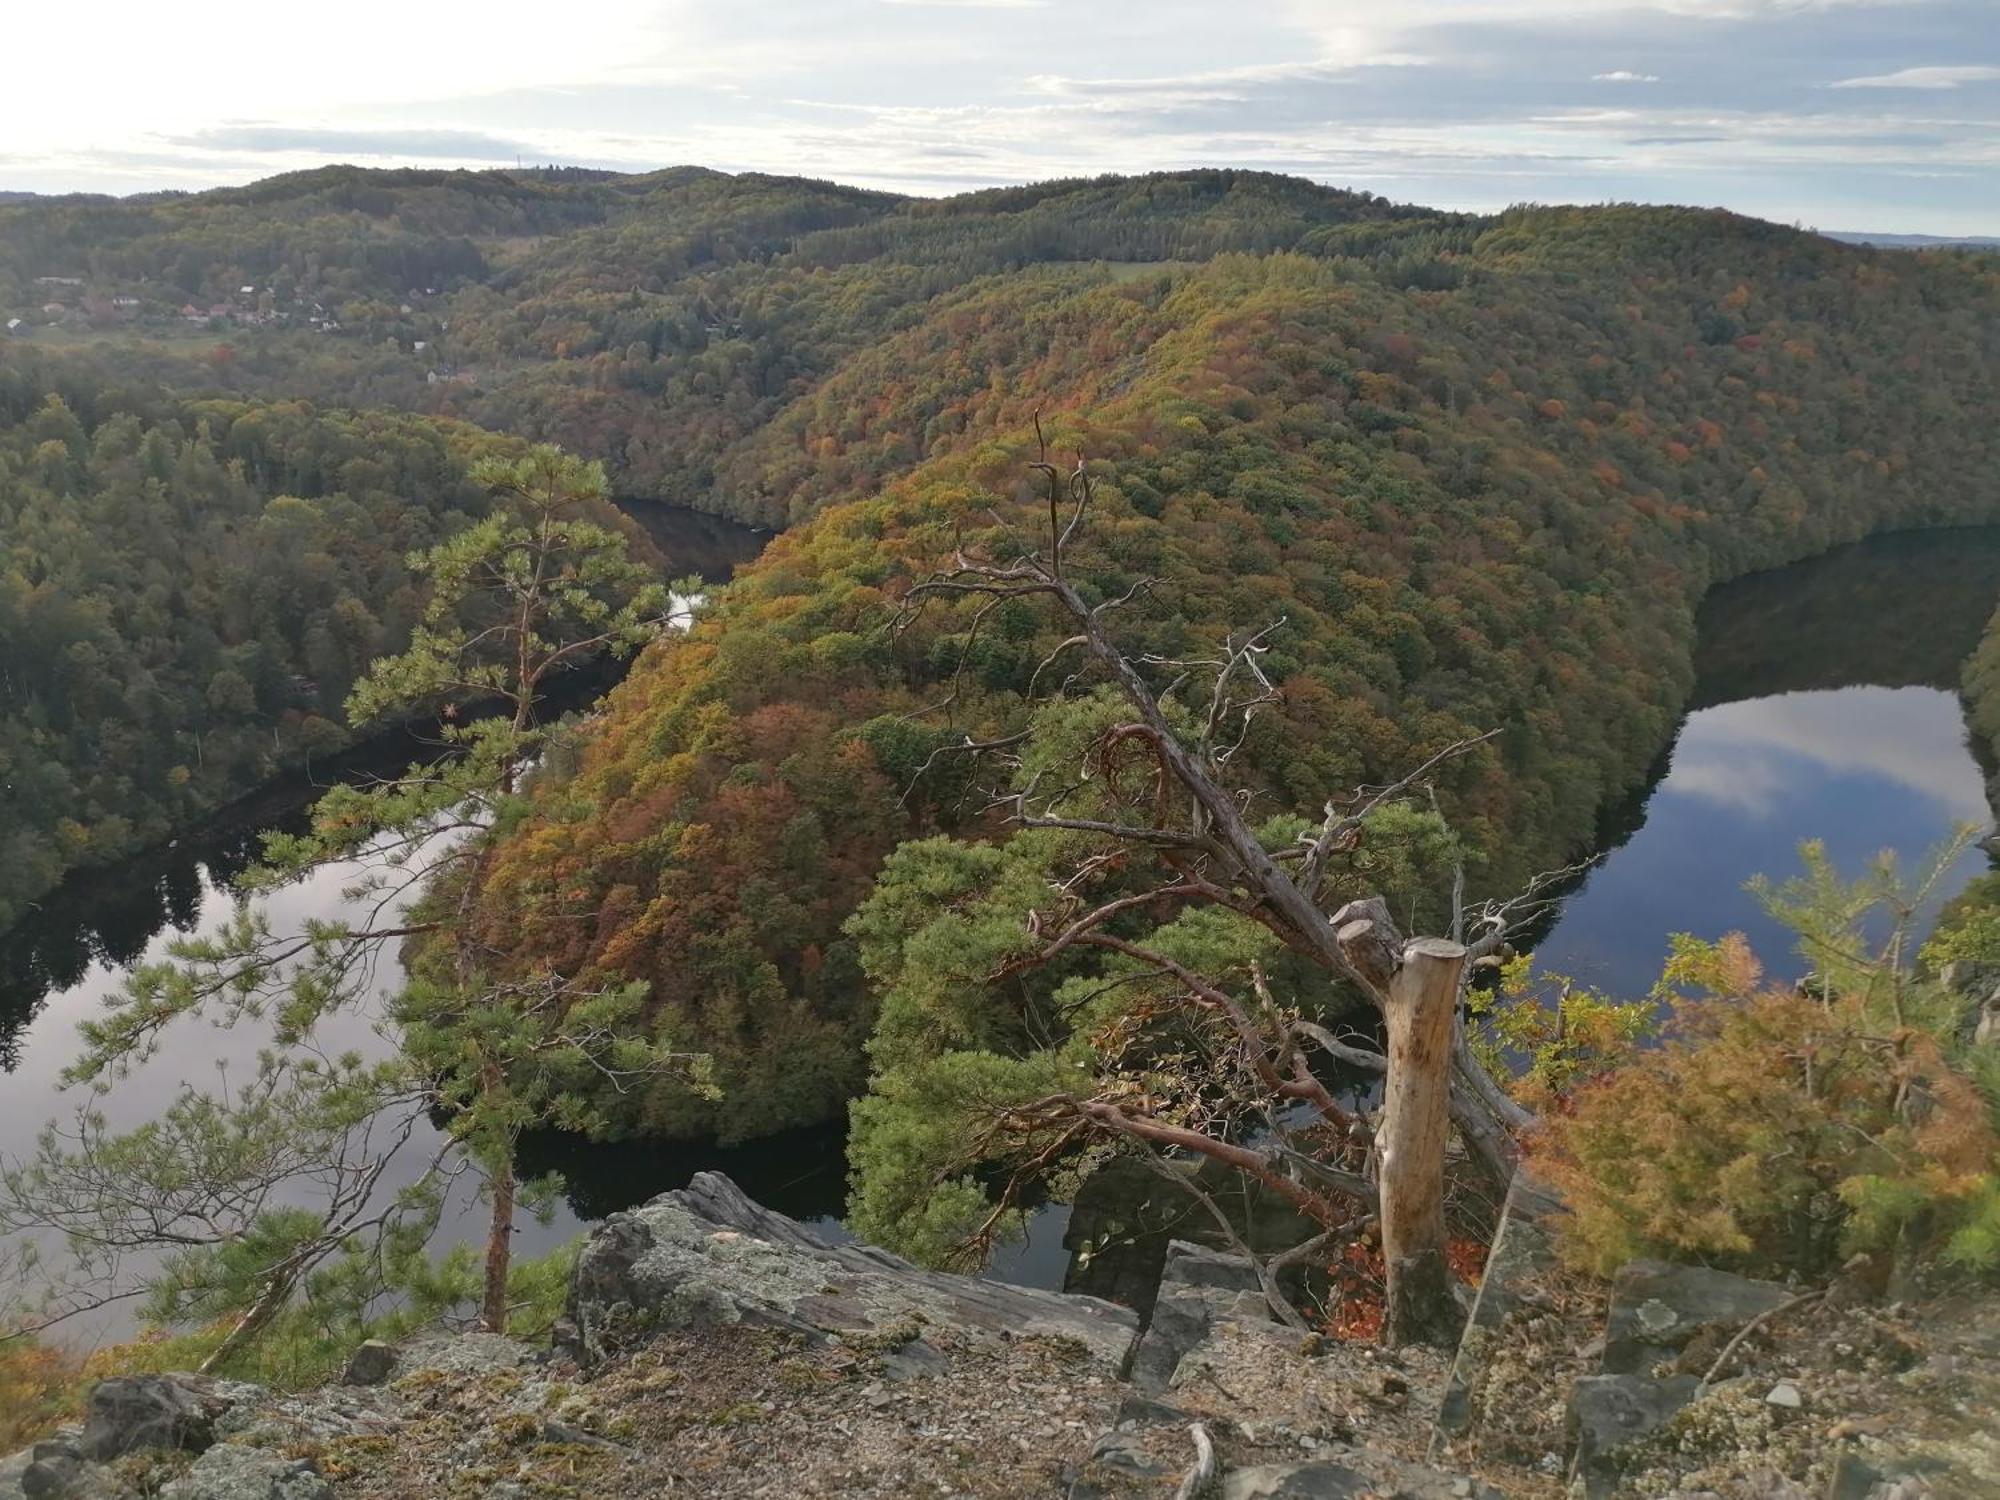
pixel 1825 708
pixel 108 917
pixel 61 965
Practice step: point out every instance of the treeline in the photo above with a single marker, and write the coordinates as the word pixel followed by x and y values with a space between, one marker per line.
pixel 655 322
pixel 188 589
pixel 664 366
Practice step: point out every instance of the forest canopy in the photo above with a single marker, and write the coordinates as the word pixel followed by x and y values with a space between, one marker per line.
pixel 188 591
pixel 1481 468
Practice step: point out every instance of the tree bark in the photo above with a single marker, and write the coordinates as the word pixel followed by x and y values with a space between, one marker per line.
pixel 499 1250
pixel 260 1312
pixel 1416 1110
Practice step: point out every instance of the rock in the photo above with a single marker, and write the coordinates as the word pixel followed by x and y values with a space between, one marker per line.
pixel 1523 1253
pixel 1198 1288
pixel 1855 1478
pixel 564 1432
pixel 913 1361
pixel 12 1468
pixel 1785 1394
pixel 1365 1475
pixel 1128 1453
pixel 707 1255
pixel 371 1363
pixel 1307 1481
pixel 464 1354
pixel 1979 984
pixel 1609 1412
pixel 58 1472
pixel 230 1471
pixel 157 1411
pixel 1657 1309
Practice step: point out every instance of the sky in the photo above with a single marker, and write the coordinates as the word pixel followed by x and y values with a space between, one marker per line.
pixel 1871 115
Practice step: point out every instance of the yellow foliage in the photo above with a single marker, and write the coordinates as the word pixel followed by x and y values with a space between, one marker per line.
pixel 1773 1131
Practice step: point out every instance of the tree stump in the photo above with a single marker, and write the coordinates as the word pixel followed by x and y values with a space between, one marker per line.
pixel 1422 1005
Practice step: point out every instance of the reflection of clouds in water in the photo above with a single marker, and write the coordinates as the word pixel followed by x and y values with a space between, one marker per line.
pixel 1747 755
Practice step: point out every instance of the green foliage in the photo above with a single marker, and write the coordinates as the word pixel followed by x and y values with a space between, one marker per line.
pixel 187 592
pixel 1782 1130
pixel 1551 1035
pixel 529 590
pixel 1968 927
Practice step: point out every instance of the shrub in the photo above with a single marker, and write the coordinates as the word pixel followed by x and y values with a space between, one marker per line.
pixel 1777 1130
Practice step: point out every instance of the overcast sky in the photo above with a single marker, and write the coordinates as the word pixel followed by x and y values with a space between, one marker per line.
pixel 1843 114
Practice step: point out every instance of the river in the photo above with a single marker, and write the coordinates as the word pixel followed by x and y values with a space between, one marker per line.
pixel 1825 707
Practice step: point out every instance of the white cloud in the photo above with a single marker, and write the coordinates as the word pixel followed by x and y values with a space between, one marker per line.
pixel 1624 75
pixel 1737 754
pixel 1922 78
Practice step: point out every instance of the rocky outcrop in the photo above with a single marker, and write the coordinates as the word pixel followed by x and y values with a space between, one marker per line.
pixel 230 1471
pixel 1979 985
pixel 1198 1289
pixel 157 1411
pixel 707 1256
pixel 1680 1315
pixel 713 1347
pixel 128 1415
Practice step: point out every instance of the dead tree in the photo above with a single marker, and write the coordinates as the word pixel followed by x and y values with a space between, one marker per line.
pixel 1422 999
pixel 1191 819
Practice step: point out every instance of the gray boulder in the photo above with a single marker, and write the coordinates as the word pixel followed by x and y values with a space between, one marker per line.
pixel 230 1471
pixel 1198 1289
pixel 56 1471
pixel 371 1363
pixel 157 1411
pixel 708 1256
pixel 1611 1412
pixel 1658 1309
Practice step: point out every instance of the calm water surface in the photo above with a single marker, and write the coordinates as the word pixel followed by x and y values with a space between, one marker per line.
pixel 1824 708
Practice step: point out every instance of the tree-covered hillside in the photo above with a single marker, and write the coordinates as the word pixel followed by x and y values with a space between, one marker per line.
pixel 188 589
pixel 1482 467
pixel 1482 473
pixel 655 322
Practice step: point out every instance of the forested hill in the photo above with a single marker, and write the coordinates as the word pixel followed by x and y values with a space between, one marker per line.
pixel 656 322
pixel 187 591
pixel 1481 470
pixel 1481 466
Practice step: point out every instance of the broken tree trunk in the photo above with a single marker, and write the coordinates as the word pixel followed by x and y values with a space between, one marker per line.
pixel 1416 1110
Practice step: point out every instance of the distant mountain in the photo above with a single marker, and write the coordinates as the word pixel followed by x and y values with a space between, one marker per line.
pixel 1916 241
pixel 16 197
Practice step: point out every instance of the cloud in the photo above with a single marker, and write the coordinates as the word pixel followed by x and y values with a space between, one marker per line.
pixel 1742 754
pixel 447 145
pixel 972 4
pixel 1624 75
pixel 1922 78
